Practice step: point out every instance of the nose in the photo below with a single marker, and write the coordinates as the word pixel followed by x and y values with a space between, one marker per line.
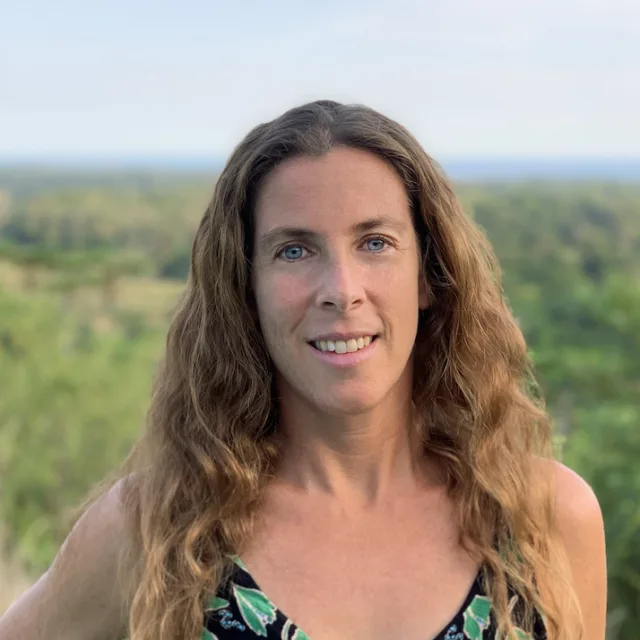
pixel 341 285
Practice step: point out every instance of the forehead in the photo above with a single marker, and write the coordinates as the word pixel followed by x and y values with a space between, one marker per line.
pixel 337 189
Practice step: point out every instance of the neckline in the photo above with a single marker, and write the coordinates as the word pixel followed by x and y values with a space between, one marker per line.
pixel 474 590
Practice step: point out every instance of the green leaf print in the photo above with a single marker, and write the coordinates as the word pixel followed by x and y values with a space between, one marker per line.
pixel 207 635
pixel 477 617
pixel 239 562
pixel 256 609
pixel 300 635
pixel 217 603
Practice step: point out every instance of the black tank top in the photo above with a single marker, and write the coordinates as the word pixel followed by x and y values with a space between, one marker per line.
pixel 242 611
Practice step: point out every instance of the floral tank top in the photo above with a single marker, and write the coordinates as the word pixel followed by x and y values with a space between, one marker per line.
pixel 242 611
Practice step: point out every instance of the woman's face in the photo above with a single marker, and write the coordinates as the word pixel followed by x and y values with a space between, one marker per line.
pixel 336 263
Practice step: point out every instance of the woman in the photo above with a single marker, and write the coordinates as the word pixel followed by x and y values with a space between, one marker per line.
pixel 344 417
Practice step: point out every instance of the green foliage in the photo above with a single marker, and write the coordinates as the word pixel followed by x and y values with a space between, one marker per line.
pixel 150 220
pixel 79 342
pixel 74 395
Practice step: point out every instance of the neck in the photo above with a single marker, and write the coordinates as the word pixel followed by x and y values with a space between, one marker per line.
pixel 356 460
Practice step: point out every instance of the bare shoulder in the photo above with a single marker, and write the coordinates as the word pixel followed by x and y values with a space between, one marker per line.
pixel 581 527
pixel 80 596
pixel 576 502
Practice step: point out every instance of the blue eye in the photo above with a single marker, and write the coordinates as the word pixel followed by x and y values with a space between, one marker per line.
pixel 295 249
pixel 294 252
pixel 381 240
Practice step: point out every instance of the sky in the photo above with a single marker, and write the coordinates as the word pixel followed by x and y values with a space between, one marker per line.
pixel 469 78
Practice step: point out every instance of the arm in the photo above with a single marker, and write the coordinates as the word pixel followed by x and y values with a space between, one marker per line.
pixel 582 529
pixel 79 597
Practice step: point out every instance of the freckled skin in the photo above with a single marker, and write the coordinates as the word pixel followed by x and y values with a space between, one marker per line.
pixel 338 281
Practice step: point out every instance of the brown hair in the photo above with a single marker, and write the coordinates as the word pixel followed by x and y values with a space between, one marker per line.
pixel 194 481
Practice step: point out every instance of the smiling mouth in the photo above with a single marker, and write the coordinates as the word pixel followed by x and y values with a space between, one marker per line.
pixel 343 346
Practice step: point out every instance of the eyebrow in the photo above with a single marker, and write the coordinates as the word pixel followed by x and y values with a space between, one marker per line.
pixel 300 233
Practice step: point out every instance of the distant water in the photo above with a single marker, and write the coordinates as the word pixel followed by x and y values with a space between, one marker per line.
pixel 462 169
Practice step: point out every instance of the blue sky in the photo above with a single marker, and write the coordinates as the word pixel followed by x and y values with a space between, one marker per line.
pixel 467 77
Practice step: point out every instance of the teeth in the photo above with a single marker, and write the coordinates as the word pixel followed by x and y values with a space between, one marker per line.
pixel 343 346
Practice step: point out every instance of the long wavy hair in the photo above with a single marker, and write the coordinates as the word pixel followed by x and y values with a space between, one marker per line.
pixel 193 483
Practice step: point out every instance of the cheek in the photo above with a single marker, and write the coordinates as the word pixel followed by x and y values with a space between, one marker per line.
pixel 289 291
pixel 397 289
pixel 280 301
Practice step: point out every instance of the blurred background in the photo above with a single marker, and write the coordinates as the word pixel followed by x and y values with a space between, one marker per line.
pixel 115 119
